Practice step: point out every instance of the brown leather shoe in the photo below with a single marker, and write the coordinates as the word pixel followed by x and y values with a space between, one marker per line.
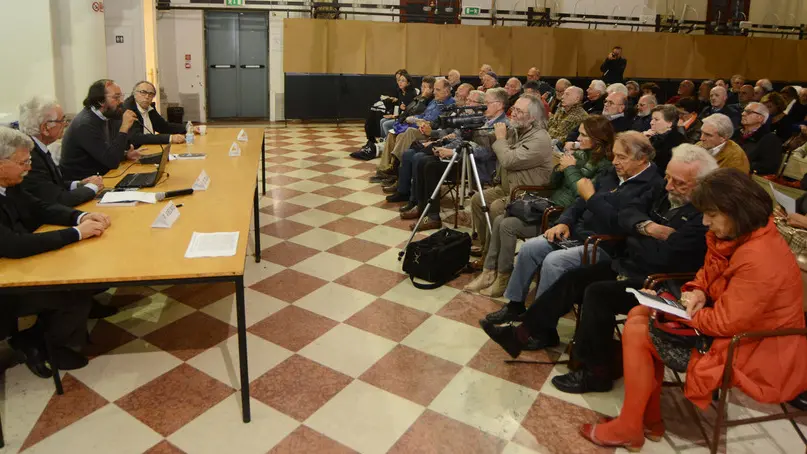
pixel 427 224
pixel 391 189
pixel 413 213
pixel 478 265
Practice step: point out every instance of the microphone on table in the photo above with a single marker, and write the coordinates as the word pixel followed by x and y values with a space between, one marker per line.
pixel 168 194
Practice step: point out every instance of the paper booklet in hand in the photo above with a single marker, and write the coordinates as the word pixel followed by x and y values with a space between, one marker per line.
pixel 235 150
pixel 661 304
pixel 242 136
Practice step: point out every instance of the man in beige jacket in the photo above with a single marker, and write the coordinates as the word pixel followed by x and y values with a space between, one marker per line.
pixel 524 155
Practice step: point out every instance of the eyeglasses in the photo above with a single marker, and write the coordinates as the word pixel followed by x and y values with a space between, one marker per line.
pixel 63 121
pixel 611 103
pixel 146 93
pixel 25 163
pixel 518 111
pixel 749 112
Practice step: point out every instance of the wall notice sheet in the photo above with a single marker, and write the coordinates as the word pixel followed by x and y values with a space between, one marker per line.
pixel 218 244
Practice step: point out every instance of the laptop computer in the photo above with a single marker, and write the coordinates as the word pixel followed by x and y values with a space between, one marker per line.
pixel 146 180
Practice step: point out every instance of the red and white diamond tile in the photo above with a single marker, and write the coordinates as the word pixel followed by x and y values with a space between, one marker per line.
pixel 345 354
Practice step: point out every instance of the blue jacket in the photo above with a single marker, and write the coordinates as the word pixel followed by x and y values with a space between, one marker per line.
pixel 434 109
pixel 599 214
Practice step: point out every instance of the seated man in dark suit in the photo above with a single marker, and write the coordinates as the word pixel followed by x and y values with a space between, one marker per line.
pixel 718 104
pixel 61 315
pixel 150 127
pixel 614 110
pixel 763 147
pixel 44 121
pixel 97 139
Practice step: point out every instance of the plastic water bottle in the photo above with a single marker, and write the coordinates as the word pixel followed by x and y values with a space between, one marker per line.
pixel 189 133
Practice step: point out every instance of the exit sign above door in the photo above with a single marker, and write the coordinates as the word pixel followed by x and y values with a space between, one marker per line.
pixel 469 11
pixel 234 2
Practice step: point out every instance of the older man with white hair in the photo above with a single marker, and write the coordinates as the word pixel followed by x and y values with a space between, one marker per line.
pixel 44 121
pixel 62 316
pixel 718 97
pixel 569 115
pixel 763 147
pixel 641 122
pixel 454 79
pixel 766 85
pixel 513 89
pixel 667 235
pixel 614 111
pixel 595 97
pixel 716 133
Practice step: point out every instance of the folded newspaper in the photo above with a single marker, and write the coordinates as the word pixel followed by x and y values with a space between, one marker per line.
pixel 662 304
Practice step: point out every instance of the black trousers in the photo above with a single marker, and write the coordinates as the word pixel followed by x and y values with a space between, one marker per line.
pixel 428 173
pixel 372 125
pixel 600 296
pixel 61 315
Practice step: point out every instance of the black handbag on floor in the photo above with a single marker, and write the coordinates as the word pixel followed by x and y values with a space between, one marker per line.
pixel 438 258
pixel 529 208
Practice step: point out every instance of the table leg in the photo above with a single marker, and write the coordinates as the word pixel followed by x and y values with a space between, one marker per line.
pixel 263 163
pixel 242 347
pixel 256 214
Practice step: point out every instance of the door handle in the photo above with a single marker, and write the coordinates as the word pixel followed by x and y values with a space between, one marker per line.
pixel 253 66
pixel 222 66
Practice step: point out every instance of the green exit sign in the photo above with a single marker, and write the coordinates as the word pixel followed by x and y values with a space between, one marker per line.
pixel 235 2
pixel 469 11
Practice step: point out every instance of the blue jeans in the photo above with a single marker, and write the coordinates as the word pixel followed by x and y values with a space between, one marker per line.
pixel 386 126
pixel 539 253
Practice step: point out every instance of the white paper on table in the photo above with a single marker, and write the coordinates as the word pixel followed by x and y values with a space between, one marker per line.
pixel 128 196
pixel 218 244
pixel 788 203
pixel 659 303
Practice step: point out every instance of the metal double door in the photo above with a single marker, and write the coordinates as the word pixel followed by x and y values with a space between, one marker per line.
pixel 237 71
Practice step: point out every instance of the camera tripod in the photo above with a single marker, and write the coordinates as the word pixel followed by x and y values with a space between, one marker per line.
pixel 466 153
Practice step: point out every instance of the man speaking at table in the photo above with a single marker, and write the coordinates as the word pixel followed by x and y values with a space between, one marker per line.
pixel 97 139
pixel 61 315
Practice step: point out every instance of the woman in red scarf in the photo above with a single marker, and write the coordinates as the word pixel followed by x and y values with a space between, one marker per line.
pixel 749 281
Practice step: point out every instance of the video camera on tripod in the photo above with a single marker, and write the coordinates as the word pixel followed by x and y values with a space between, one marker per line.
pixel 462 117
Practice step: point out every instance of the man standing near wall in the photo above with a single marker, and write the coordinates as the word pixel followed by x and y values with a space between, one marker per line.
pixel 613 68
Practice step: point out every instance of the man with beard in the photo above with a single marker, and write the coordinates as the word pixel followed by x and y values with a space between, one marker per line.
pixel 97 139
pixel 646 104
pixel 667 236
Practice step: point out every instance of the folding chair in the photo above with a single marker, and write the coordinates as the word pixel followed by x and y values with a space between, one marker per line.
pixel 722 420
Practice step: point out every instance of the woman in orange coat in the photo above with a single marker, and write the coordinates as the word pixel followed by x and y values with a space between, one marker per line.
pixel 749 282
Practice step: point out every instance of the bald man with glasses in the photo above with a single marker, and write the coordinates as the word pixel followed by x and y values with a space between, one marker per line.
pixel 151 127
pixel 763 147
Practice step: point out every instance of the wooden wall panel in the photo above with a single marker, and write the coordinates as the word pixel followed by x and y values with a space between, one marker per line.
pixel 421 42
pixel 594 45
pixel 527 49
pixel 493 48
pixel 645 53
pixel 714 57
pixel 457 49
pixel 306 46
pixel 758 57
pixel 560 50
pixel 346 49
pixel 785 60
pixel 801 48
pixel 677 61
pixel 379 39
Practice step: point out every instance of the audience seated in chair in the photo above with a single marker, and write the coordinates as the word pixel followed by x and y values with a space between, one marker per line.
pixel 44 121
pixel 595 97
pixel 733 91
pixel 595 211
pixel 641 122
pixel 718 104
pixel 689 121
pixel 593 157
pixel 745 95
pixel 383 112
pixel 686 89
pixel 560 87
pixel 716 134
pixel 569 115
pixel 704 89
pixel 614 111
pixel 524 158
pixel 763 148
pixel 664 134
pixel 151 127
pixel 514 91
pixel 749 281
pixel 781 125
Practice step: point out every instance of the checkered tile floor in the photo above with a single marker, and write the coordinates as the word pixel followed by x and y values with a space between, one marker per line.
pixel 345 355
